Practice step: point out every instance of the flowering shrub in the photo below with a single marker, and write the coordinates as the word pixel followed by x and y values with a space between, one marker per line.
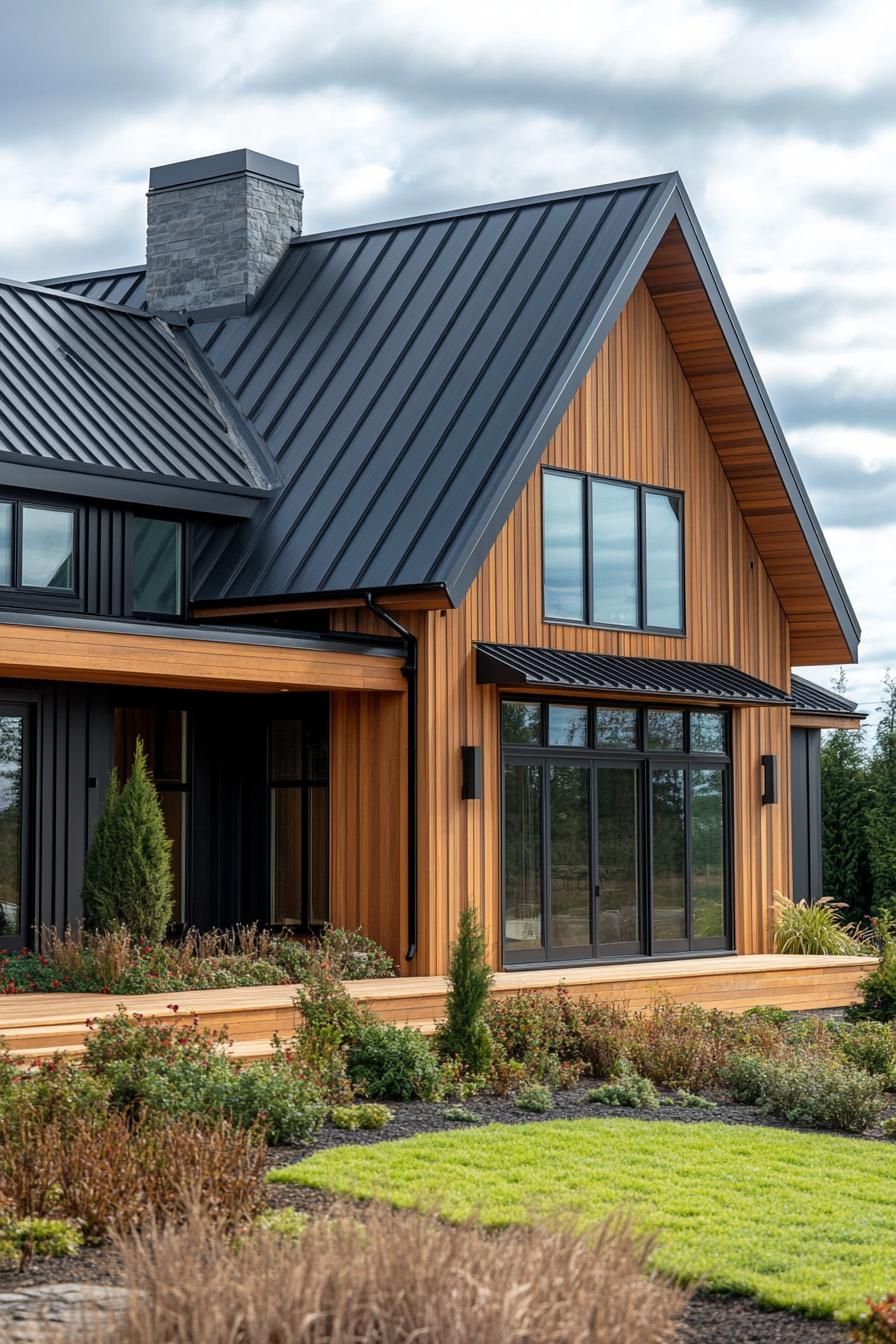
pixel 879 1327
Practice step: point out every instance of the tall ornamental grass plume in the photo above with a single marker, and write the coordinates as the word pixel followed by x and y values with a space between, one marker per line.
pixel 464 1035
pixel 815 930
pixel 382 1277
pixel 128 881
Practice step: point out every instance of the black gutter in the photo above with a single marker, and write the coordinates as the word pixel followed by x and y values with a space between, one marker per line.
pixel 410 673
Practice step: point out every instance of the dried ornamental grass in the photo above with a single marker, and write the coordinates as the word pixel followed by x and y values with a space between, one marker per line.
pixel 387 1278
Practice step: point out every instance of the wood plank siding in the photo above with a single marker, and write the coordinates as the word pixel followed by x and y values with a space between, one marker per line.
pixel 634 418
pixel 687 315
pixel 121 658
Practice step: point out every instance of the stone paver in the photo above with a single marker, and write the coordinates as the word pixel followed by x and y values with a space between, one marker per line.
pixel 28 1314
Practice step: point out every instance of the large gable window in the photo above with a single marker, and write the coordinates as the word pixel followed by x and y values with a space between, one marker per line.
pixel 613 553
pixel 37 547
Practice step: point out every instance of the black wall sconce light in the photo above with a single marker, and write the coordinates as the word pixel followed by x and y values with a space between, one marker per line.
pixel 471 777
pixel 769 779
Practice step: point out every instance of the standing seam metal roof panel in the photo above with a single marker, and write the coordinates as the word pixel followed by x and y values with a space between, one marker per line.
pixel 810 698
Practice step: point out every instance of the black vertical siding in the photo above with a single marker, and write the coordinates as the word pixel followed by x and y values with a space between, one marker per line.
pixel 805 749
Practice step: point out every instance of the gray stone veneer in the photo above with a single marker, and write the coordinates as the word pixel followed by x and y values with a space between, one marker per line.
pixel 213 243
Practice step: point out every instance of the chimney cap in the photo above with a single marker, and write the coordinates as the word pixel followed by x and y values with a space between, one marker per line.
pixel 229 164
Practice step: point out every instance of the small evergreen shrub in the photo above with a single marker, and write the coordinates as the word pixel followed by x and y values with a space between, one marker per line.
pixel 878 988
pixel 870 1046
pixel 127 875
pixel 809 1090
pixel 692 1099
pixel 889 1127
pixel 535 1097
pixel 814 930
pixel 627 1088
pixel 394 1063
pixel 464 1035
pixel 22 1238
pixel 460 1115
pixel 364 1115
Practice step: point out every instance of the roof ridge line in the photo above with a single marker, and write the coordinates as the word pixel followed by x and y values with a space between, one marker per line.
pixel 488 207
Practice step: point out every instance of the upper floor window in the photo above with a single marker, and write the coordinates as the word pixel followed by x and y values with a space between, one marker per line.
pixel 158 564
pixel 37 547
pixel 613 553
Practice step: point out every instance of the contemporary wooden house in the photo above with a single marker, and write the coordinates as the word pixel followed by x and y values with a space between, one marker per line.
pixel 459 558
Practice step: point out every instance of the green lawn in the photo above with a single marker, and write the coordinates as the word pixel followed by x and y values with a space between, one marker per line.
pixel 806 1221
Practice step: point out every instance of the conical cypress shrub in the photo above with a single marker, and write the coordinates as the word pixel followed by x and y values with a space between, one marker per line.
pixel 99 891
pixel 464 1034
pixel 127 876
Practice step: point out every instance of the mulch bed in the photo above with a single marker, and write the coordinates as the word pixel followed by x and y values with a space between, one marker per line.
pixel 709 1318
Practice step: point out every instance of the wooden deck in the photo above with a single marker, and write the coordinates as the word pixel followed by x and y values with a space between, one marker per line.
pixel 36 1025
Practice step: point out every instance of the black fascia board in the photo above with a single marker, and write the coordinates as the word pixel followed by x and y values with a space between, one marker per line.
pixel 464 564
pixel 768 421
pixel 374 646
pixel 80 481
pixel 381 595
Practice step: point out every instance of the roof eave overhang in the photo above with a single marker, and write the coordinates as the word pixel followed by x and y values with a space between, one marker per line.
pixel 130 488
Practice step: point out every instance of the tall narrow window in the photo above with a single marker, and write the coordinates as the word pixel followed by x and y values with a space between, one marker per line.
pixel 158 567
pixel 614 522
pixel 564 547
pixel 12 765
pixel 300 821
pixel 523 856
pixel 662 537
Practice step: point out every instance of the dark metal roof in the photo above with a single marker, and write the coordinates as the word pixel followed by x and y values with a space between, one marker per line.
pixel 554 669
pixel 810 698
pixel 407 376
pixel 111 402
pixel 125 286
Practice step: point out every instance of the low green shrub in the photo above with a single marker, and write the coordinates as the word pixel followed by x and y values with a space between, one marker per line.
pixel 285 1224
pixel 808 1090
pixel 870 1046
pixel 878 988
pixel 627 1088
pixel 55 1088
pixel 768 1013
pixel 534 1097
pixel 395 1063
pixel 814 929
pixel 460 1115
pixel 464 1035
pixel 22 1238
pixel 889 1127
pixel 346 954
pixel 692 1099
pixel 364 1115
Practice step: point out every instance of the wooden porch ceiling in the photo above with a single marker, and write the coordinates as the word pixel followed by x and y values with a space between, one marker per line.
pixel 125 657
pixel 708 364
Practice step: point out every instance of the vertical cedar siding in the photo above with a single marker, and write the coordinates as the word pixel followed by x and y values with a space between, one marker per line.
pixel 633 418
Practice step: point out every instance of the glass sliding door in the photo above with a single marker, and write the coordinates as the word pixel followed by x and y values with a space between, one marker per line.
pixel 618 890
pixel 616 831
pixel 13 916
pixel 569 809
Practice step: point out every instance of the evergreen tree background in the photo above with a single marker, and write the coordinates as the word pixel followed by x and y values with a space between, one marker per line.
pixel 881 818
pixel 128 881
pixel 845 802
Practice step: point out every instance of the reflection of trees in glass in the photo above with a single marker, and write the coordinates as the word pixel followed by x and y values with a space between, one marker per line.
pixel 570 870
pixel 522 854
pixel 10 824
pixel 617 811
pixel 708 852
pixel 520 722
pixel 668 853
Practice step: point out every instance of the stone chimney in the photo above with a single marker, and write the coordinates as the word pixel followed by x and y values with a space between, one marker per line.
pixel 216 228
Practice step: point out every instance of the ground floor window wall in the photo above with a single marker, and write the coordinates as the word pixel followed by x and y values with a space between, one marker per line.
pixel 616 831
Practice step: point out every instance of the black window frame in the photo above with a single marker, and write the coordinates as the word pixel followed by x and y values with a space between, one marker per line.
pixel 33 597
pixel 643 488
pixel 647 760
pixel 159 617
pixel 25 705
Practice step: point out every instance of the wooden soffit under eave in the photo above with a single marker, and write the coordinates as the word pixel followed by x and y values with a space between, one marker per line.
pixel 706 361
pixel 125 658
pixel 826 721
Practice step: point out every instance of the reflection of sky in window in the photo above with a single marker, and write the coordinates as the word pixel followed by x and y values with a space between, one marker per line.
pixel 5 544
pixel 563 547
pixel 46 548
pixel 663 527
pixel 615 525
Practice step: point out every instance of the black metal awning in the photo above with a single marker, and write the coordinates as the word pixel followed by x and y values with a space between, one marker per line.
pixel 556 669
pixel 810 698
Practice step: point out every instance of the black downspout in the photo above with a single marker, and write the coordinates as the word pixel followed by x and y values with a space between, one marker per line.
pixel 410 673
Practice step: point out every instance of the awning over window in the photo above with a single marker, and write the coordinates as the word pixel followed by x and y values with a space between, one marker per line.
pixel 809 698
pixel 555 669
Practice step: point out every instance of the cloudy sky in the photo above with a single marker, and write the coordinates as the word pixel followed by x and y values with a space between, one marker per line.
pixel 780 118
